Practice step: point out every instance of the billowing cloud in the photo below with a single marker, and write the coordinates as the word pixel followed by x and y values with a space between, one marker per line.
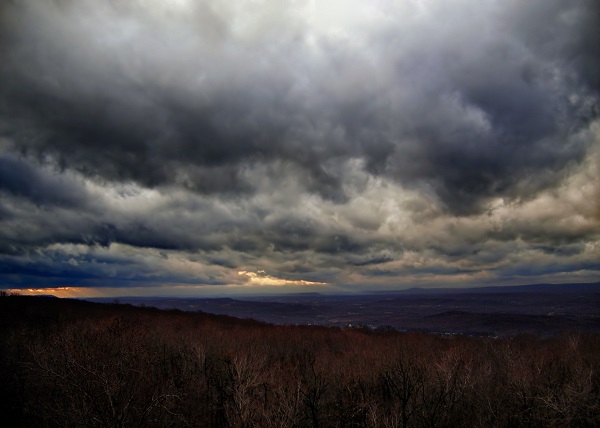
pixel 356 144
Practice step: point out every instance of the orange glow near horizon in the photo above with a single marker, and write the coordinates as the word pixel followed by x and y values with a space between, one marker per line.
pixel 63 292
pixel 88 292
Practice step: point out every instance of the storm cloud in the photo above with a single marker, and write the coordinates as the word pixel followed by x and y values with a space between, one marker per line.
pixel 356 144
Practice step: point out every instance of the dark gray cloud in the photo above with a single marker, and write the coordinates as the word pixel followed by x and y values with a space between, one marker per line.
pixel 323 144
pixel 22 179
pixel 469 112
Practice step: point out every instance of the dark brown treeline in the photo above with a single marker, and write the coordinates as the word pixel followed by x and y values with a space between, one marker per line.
pixel 68 363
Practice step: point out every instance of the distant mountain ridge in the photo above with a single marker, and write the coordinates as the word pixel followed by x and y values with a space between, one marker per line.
pixel 577 287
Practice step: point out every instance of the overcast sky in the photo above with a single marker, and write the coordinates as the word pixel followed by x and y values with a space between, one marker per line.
pixel 180 147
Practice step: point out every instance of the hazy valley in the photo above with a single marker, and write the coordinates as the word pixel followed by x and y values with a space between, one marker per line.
pixel 492 311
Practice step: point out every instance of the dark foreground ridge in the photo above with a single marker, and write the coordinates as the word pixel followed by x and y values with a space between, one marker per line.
pixel 69 363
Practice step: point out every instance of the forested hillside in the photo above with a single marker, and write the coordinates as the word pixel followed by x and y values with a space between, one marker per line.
pixel 68 363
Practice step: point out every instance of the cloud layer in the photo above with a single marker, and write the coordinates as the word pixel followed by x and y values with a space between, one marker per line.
pixel 358 144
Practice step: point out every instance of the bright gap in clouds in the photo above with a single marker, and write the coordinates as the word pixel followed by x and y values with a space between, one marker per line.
pixel 260 278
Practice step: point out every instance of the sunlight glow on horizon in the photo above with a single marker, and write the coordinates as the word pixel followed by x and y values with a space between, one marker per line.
pixel 62 292
pixel 261 278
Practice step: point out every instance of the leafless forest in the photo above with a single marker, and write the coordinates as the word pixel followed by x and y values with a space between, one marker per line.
pixel 67 363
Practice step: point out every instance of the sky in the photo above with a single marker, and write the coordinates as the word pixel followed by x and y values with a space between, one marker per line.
pixel 199 148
